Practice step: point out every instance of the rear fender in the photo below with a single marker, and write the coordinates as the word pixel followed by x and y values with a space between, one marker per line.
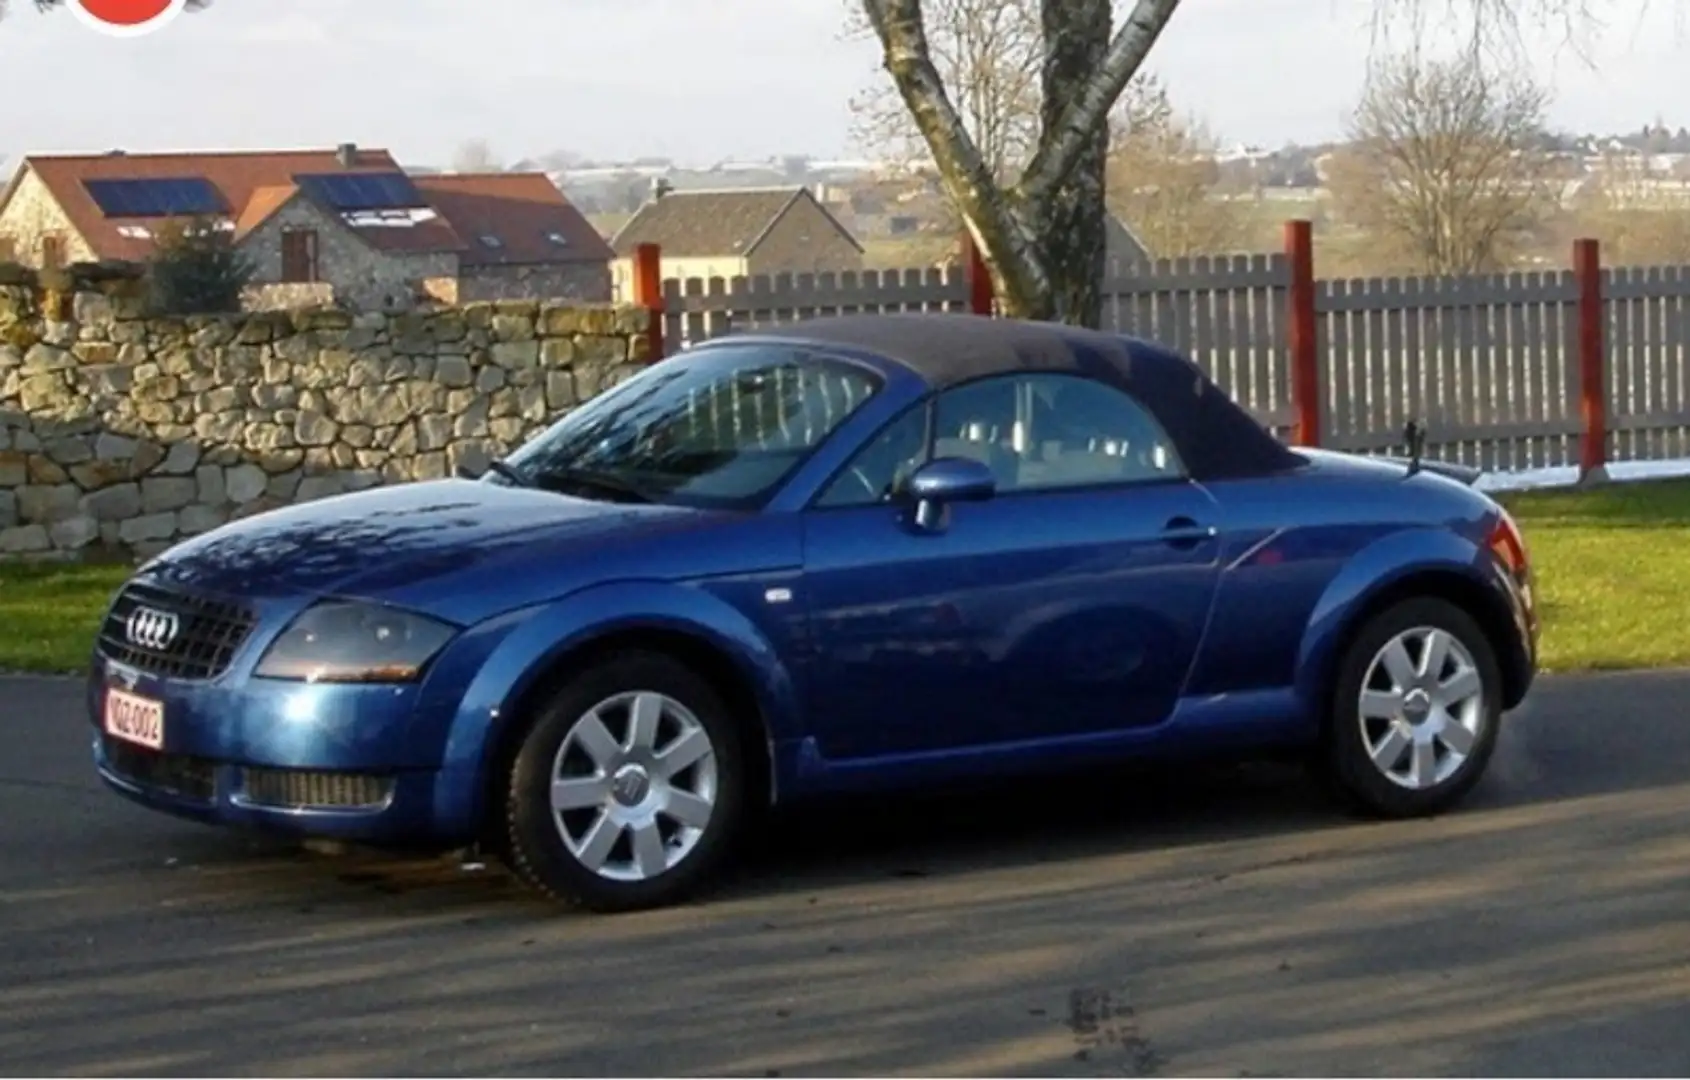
pixel 534 640
pixel 1369 573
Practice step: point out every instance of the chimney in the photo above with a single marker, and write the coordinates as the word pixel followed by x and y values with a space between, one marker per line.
pixel 347 153
pixel 660 186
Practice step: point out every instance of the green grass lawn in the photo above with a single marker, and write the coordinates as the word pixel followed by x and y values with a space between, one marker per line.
pixel 50 611
pixel 1613 579
pixel 1613 573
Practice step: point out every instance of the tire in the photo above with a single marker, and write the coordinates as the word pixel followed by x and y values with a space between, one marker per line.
pixel 685 824
pixel 1457 720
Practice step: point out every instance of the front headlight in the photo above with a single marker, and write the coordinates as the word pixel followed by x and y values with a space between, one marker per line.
pixel 339 641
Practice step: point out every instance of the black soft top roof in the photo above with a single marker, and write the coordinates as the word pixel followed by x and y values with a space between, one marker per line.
pixel 1214 436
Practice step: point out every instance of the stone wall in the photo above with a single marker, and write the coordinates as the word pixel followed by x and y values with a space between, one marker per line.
pixel 277 296
pixel 587 282
pixel 122 433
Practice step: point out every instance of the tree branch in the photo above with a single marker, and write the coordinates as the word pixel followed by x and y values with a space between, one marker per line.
pixel 1062 142
pixel 987 53
pixel 965 174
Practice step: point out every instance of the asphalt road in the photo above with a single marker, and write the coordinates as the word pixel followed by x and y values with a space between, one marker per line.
pixel 1213 923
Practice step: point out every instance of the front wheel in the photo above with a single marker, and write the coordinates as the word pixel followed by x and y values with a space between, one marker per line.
pixel 1415 710
pixel 628 788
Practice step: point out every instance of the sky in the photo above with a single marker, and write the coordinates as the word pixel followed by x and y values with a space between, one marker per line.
pixel 695 80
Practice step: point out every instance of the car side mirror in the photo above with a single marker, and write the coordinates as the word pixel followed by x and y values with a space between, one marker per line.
pixel 943 481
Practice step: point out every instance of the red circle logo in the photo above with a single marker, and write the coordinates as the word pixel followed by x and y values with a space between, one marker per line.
pixel 127 18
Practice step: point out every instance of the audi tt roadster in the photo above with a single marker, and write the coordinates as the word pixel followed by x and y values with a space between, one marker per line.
pixel 853 554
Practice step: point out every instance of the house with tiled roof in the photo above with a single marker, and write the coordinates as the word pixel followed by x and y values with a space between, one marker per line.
pixel 738 232
pixel 522 238
pixel 347 223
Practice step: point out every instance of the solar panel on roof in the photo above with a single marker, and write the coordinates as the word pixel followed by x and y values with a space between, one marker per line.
pixel 352 192
pixel 155 197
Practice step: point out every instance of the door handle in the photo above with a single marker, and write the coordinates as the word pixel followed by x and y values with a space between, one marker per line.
pixel 1184 532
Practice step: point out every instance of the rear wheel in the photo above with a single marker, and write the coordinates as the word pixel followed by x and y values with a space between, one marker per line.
pixel 1415 710
pixel 629 788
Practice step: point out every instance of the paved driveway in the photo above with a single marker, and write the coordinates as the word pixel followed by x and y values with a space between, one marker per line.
pixel 1210 924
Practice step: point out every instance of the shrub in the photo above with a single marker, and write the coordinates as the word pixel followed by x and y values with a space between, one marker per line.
pixel 195 268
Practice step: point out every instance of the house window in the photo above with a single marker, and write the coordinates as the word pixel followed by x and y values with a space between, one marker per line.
pixel 299 255
pixel 52 252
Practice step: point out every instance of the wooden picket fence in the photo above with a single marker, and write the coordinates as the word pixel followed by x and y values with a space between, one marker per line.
pixel 1496 366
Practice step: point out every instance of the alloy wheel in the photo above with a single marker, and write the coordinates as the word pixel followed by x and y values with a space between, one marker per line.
pixel 1421 708
pixel 634 786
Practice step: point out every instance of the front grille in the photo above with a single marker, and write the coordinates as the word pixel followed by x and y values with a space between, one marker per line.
pixel 208 631
pixel 180 775
pixel 303 789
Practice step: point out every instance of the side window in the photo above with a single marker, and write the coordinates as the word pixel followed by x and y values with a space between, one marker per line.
pixel 1041 432
pixel 979 420
pixel 875 472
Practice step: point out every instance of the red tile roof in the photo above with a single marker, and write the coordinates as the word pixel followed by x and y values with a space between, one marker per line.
pixel 264 202
pixel 250 183
pixel 524 214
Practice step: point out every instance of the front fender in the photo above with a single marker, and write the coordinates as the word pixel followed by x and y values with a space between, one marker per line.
pixel 523 646
pixel 1368 573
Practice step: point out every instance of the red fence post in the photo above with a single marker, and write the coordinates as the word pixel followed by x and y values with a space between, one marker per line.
pixel 979 278
pixel 1300 333
pixel 1593 361
pixel 648 293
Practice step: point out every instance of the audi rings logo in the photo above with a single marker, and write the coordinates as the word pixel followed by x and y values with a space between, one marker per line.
pixel 152 629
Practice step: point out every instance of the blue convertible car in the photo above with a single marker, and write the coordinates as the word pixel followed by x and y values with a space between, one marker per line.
pixel 864 552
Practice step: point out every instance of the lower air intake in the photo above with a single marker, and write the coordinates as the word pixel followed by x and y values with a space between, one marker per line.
pixel 299 789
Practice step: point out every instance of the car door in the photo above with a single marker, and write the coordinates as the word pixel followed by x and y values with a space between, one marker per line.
pixel 1072 602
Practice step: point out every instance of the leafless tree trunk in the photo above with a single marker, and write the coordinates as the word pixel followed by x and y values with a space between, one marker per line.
pixel 991 54
pixel 1071 224
pixel 1441 165
pixel 1041 235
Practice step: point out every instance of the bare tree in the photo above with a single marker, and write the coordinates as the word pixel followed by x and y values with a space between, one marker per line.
pixel 1442 168
pixel 990 52
pixel 1164 179
pixel 475 156
pixel 1641 215
pixel 1041 233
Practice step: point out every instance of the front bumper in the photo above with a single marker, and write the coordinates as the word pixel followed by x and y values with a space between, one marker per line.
pixel 355 763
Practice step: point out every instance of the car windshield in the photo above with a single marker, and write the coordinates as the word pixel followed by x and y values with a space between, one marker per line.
pixel 722 427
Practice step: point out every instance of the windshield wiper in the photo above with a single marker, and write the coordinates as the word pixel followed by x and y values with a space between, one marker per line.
pixel 602 482
pixel 498 468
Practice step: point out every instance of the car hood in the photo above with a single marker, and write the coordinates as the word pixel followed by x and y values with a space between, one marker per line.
pixel 460 547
